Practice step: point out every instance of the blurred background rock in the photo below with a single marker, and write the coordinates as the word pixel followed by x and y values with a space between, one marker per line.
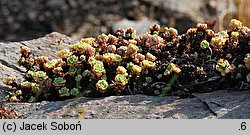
pixel 28 19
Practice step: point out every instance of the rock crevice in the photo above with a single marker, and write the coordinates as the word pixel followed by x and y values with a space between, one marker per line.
pixel 219 104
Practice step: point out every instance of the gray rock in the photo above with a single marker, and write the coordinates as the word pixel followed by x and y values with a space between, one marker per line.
pixel 216 105
pixel 141 26
pixel 9 53
pixel 47 46
pixel 224 104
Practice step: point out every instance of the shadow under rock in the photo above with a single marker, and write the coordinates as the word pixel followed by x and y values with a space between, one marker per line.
pixel 3 91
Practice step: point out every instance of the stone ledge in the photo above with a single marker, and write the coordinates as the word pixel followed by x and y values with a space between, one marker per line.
pixel 220 104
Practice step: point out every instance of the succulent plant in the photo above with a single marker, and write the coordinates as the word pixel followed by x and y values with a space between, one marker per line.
pixel 57 70
pixel 32 99
pixel 74 92
pixel 72 71
pixel 101 86
pixel 122 70
pixel 31 61
pixel 132 48
pixel 88 40
pixel 19 92
pixel 201 26
pixel 40 76
pixel 218 42
pixel 126 63
pixel 148 64
pixel 78 78
pixel 41 60
pixel 59 81
pixel 64 92
pixel 82 57
pixel 36 88
pixel 173 32
pixel 25 85
pixel 64 53
pixel 150 57
pixel 9 80
pixel 130 33
pixel 50 65
pixel 235 25
pixel 248 77
pixel 172 68
pixel 21 61
pixel 159 76
pixel 111 58
pixel 138 57
pixel 111 48
pixel 13 99
pixel 223 34
pixel 235 35
pixel 155 28
pixel 86 73
pixel 121 79
pixel 136 69
pixel 204 44
pixel 72 60
pixel 247 61
pixel 25 51
pixel 238 76
pixel 149 79
pixel 223 66
pixel 98 69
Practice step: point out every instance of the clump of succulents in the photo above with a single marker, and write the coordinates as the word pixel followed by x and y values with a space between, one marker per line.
pixel 126 63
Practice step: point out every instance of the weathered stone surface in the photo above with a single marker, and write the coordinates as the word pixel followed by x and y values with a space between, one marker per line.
pixel 141 26
pixel 9 53
pixel 226 104
pixel 219 104
pixel 47 46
